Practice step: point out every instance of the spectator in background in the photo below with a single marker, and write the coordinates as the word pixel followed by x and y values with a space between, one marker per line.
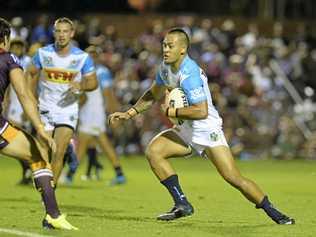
pixel 18 30
pixel 43 31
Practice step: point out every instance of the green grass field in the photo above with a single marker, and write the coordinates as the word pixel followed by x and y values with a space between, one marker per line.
pixel 130 210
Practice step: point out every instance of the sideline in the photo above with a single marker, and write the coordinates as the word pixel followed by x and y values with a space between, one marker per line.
pixel 22 233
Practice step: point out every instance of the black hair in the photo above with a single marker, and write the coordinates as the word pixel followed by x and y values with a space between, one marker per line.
pixel 183 32
pixel 5 30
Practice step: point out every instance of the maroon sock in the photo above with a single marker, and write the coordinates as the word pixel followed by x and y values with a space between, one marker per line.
pixel 43 180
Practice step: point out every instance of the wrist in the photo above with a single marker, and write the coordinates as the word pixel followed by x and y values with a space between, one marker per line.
pixel 79 89
pixel 172 112
pixel 132 112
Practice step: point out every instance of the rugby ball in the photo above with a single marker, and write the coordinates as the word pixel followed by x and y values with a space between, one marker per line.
pixel 177 99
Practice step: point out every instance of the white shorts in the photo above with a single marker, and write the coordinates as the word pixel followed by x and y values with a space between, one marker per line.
pixel 92 129
pixel 92 123
pixel 199 141
pixel 51 120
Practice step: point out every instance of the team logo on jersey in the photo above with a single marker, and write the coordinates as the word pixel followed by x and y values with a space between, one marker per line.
pixel 47 61
pixel 196 93
pixel 74 63
pixel 59 75
pixel 214 136
pixel 164 73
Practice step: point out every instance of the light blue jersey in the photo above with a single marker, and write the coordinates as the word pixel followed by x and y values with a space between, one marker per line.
pixel 191 78
pixel 57 72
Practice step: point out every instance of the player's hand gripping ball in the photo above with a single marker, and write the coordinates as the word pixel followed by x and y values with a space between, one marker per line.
pixel 177 99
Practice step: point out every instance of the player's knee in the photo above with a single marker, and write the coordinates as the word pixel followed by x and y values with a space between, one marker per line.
pixel 234 180
pixel 153 152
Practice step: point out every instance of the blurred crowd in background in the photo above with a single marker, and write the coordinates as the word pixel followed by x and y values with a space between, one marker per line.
pixel 263 86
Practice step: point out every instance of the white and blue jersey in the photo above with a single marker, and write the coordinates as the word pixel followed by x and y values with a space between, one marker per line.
pixel 199 134
pixel 57 72
pixel 191 78
pixel 92 116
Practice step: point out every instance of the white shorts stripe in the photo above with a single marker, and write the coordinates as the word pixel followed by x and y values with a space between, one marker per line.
pixel 4 127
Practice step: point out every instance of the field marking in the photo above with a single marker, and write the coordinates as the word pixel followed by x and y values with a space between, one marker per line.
pixel 22 233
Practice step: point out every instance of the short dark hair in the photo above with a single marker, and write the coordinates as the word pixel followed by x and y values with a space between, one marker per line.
pixel 179 30
pixel 5 29
pixel 18 41
pixel 64 20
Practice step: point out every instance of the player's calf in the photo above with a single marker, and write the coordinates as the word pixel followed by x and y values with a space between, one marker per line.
pixel 43 179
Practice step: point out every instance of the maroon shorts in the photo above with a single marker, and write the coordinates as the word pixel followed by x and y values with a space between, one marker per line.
pixel 7 134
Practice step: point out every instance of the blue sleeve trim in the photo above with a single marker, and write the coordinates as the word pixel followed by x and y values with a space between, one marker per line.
pixel 36 60
pixel 159 80
pixel 88 66
pixel 105 79
pixel 193 88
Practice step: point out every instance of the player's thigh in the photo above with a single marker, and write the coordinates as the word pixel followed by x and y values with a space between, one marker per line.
pixel 168 144
pixel 223 160
pixel 23 147
pixel 104 141
pixel 62 136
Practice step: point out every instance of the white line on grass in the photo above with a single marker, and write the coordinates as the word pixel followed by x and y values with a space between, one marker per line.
pixel 22 233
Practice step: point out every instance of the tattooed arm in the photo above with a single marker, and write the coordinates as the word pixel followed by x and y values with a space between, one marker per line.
pixel 154 93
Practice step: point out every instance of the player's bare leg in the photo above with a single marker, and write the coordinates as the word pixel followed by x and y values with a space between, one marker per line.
pixel 62 136
pixel 25 147
pixel 166 145
pixel 110 152
pixel 84 141
pixel 224 162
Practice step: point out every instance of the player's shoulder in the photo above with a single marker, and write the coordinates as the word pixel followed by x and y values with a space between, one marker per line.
pixel 101 68
pixel 189 65
pixel 47 48
pixel 77 51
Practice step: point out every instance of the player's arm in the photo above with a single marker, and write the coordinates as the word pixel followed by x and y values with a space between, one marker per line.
pixel 194 90
pixel 25 96
pixel 112 103
pixel 32 75
pixel 193 112
pixel 6 102
pixel 154 93
pixel 89 82
pixel 82 99
pixel 28 103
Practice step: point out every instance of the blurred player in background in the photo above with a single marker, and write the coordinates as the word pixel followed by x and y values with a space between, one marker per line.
pixel 19 144
pixel 201 130
pixel 62 72
pixel 92 118
pixel 14 109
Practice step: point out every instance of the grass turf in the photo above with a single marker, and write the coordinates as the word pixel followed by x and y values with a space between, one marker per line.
pixel 130 210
